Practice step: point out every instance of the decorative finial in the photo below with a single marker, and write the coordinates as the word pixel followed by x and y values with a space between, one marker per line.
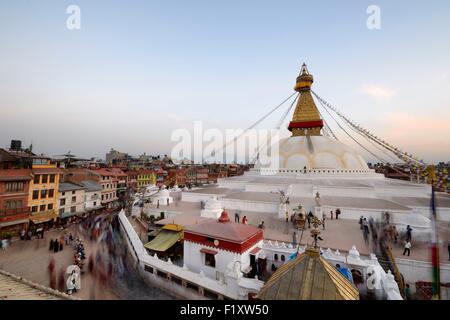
pixel 315 231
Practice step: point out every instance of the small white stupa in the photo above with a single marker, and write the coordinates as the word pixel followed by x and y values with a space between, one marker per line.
pixel 163 197
pixel 213 209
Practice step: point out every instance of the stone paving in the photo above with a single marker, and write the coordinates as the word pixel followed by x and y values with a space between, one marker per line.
pixel 339 234
pixel 30 259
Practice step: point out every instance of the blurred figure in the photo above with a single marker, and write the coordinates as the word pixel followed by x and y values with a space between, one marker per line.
pixel 53 280
pixel 61 280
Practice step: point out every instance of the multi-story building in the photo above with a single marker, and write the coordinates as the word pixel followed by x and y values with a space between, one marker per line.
pixel 191 175
pixel 115 157
pixel 176 176
pixel 103 176
pixel 121 178
pixel 92 195
pixel 71 200
pixel 132 178
pixel 160 176
pixel 145 177
pixel 202 175
pixel 14 210
pixel 43 191
pixel 108 182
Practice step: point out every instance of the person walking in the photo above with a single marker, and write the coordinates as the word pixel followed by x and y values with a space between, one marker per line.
pixel 331 214
pixel 407 248
pixel 52 243
pixel 395 234
pixel 310 216
pixel 361 219
pixel 237 217
pixel 287 217
pixel 408 233
pixel 323 220
pixel 338 213
pixel 61 242
pixel 61 280
pixel 245 220
pixel 366 235
pixel 55 246
pixel 22 234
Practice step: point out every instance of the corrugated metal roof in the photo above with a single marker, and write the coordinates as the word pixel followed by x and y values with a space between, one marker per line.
pixel 68 186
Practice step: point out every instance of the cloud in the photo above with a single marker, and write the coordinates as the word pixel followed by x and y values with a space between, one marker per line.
pixel 376 91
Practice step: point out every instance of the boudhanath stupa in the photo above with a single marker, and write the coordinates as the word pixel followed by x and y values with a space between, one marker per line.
pixel 315 170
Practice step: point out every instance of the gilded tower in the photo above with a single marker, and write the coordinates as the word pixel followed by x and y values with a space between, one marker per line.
pixel 306 120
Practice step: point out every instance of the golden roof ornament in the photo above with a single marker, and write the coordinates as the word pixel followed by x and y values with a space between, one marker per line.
pixel 306 120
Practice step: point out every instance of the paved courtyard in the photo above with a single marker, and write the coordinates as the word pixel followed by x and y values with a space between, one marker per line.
pixel 339 234
pixel 30 259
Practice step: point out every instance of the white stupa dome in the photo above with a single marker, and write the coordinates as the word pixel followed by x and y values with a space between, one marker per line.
pixel 318 152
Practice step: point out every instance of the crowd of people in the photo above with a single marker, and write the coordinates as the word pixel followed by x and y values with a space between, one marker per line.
pixel 107 262
pixel 386 234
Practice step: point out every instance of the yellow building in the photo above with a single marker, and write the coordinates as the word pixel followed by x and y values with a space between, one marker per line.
pixel 43 194
pixel 145 178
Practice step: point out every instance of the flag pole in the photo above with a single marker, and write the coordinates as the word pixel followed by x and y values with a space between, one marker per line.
pixel 436 284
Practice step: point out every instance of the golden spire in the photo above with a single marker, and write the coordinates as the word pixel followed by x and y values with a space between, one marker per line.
pixel 306 120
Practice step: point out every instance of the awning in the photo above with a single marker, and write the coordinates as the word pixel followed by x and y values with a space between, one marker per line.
pixel 209 251
pixel 11 223
pixel 43 217
pixel 69 214
pixel 164 240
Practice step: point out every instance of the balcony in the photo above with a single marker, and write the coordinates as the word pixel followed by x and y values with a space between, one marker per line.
pixel 18 211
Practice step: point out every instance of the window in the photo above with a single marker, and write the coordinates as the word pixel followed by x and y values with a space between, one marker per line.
pixel 35 194
pixel 283 257
pixel 210 261
pixel 37 179
pixel 62 202
pixel 74 199
pixel 43 193
pixel 42 207
pixel 61 211
pixel 95 203
pixel 73 192
pixel 275 257
pixel 103 197
pixel 44 178
pixel 52 178
pixel 63 194
pixel 73 209
pixel 34 208
pixel 51 193
pixel 50 206
pixel 14 186
pixel 13 204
